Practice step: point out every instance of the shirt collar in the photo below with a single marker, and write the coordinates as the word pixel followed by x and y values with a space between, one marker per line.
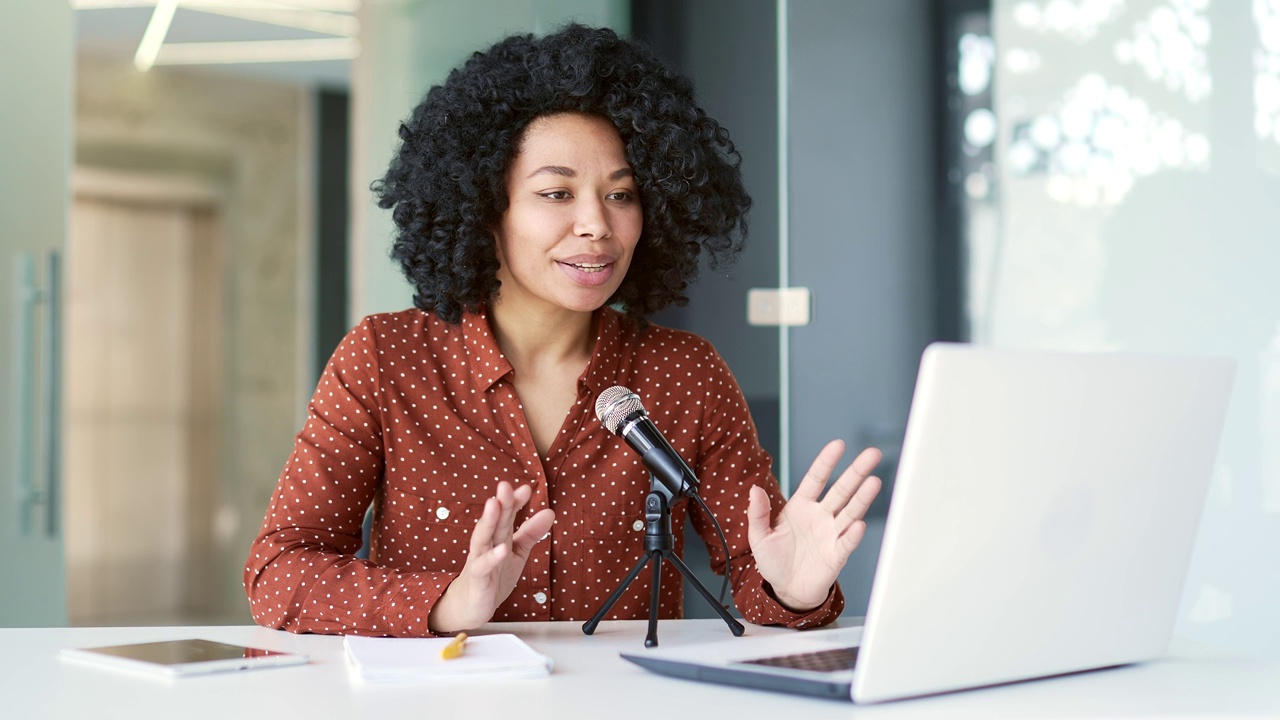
pixel 606 357
pixel 488 365
pixel 485 360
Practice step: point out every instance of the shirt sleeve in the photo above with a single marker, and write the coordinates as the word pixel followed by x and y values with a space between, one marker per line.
pixel 302 574
pixel 729 462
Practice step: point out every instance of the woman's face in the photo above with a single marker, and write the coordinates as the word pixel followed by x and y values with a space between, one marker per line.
pixel 566 239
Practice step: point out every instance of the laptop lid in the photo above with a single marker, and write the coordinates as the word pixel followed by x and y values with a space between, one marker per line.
pixel 1046 509
pixel 1043 517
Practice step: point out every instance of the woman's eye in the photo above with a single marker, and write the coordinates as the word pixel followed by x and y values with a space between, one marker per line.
pixel 555 195
pixel 622 196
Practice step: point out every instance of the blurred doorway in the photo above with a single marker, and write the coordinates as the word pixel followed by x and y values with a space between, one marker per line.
pixel 143 310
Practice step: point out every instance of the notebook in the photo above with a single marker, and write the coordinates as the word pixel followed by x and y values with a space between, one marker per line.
pixel 486 657
pixel 1042 522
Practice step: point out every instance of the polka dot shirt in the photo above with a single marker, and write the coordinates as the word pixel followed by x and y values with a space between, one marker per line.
pixel 421 419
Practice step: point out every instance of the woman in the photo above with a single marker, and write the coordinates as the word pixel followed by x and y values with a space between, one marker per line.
pixel 549 196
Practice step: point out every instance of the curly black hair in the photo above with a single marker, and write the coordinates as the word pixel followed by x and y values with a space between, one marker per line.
pixel 447 185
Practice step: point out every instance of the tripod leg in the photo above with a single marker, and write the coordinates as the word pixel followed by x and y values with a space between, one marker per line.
pixel 651 639
pixel 735 627
pixel 590 626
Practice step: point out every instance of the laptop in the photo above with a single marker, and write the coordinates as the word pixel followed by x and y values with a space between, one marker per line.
pixel 1042 520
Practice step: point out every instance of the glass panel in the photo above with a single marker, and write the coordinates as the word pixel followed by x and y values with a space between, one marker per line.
pixel 1138 146
pixel 33 175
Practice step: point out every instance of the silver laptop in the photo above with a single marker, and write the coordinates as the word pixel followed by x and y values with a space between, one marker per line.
pixel 1042 520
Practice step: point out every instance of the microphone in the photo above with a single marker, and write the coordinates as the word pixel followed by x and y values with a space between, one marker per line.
pixel 620 411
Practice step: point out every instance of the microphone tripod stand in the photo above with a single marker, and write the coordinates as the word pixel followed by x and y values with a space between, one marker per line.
pixel 659 545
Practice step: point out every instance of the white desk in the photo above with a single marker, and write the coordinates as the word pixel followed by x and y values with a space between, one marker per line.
pixel 589 681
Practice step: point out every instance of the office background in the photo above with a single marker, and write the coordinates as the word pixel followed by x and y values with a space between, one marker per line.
pixel 1077 174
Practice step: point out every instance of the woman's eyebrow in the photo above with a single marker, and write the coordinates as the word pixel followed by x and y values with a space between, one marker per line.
pixel 570 172
pixel 554 170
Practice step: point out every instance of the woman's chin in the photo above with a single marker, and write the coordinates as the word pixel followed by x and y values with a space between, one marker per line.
pixel 584 301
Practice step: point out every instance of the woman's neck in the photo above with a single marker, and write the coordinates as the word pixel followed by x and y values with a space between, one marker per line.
pixel 532 340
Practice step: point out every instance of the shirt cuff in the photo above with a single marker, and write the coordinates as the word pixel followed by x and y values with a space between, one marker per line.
pixel 407 610
pixel 775 613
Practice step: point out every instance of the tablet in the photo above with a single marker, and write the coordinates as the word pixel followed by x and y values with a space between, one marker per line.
pixel 182 658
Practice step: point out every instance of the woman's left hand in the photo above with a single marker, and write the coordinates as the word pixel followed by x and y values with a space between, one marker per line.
pixel 803 552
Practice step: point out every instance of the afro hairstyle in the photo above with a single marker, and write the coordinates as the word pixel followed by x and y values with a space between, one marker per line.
pixel 446 187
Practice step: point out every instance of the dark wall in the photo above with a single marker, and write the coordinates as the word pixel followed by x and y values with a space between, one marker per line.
pixel 729 49
pixel 862 204
pixel 862 207
pixel 332 224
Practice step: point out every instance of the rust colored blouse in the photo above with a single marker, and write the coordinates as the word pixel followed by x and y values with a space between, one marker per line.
pixel 421 418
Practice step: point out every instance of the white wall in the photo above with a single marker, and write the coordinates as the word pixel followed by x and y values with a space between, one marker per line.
pixel 1141 210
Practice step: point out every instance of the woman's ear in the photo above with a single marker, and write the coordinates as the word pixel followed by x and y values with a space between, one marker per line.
pixel 496 238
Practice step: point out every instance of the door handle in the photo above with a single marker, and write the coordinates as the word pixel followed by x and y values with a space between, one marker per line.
pixel 53 396
pixel 39 453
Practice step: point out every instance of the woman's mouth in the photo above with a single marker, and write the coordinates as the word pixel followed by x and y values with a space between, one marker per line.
pixel 590 274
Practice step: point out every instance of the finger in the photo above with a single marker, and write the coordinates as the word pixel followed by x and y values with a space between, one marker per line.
pixel 519 498
pixel 858 505
pixel 850 539
pixel 482 535
pixel 850 480
pixel 816 478
pixel 482 570
pixel 506 520
pixel 522 494
pixel 758 507
pixel 532 531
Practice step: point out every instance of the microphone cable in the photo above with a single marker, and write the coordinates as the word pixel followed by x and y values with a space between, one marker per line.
pixel 728 559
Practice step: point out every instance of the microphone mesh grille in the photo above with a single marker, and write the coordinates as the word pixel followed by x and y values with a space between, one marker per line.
pixel 614 405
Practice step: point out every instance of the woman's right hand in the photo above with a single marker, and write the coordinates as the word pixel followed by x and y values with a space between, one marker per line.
pixel 494 563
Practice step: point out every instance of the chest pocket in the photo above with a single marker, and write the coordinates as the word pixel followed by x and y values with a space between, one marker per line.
pixel 426 534
pixel 602 527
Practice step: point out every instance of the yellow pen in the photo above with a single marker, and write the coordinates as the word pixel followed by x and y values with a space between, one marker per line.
pixel 454 648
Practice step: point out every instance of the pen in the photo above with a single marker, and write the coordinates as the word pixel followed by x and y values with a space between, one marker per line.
pixel 454 648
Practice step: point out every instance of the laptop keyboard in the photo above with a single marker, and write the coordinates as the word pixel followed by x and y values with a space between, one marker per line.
pixel 834 660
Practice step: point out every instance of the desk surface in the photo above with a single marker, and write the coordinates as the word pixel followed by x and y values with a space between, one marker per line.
pixel 588 678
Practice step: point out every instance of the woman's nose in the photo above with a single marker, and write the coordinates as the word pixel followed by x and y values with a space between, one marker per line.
pixel 592 220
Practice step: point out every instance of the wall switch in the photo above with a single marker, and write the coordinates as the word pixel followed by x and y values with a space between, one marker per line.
pixel 778 306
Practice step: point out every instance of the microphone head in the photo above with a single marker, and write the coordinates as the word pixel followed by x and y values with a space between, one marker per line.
pixel 614 405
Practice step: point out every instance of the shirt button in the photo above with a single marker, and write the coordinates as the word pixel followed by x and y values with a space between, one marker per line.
pixel 442 512
pixel 637 525
pixel 540 597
